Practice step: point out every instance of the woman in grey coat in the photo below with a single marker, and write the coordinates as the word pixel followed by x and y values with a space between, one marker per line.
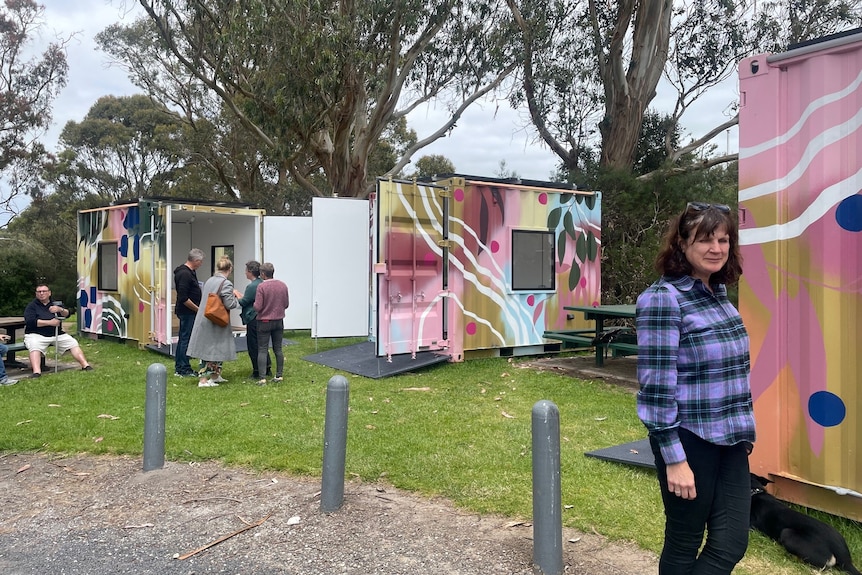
pixel 210 343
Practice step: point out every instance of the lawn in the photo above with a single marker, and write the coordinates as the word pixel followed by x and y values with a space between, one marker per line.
pixel 461 431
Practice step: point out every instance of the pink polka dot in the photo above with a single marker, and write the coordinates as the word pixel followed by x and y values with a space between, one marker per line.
pixel 459 195
pixel 495 246
pixel 110 326
pixel 583 282
pixel 471 328
pixel 125 268
pixel 543 198
pixel 595 304
pixel 429 258
pixel 141 306
pixel 531 300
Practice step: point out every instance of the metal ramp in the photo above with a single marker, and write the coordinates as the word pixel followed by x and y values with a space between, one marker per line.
pixel 360 359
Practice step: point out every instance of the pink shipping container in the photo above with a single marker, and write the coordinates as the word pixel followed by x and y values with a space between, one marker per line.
pixel 800 176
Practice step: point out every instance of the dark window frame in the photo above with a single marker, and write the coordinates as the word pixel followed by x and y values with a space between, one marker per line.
pixel 111 284
pixel 526 266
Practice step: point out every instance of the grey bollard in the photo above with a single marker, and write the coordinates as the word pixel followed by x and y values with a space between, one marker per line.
pixel 334 444
pixel 547 506
pixel 154 417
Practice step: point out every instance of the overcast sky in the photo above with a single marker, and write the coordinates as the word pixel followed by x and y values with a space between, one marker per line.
pixel 485 135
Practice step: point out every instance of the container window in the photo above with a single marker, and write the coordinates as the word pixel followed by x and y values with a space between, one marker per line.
pixel 532 260
pixel 108 267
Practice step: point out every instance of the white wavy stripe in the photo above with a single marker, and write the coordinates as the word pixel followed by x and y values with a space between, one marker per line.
pixel 506 305
pixel 812 107
pixel 828 198
pixel 478 319
pixel 814 147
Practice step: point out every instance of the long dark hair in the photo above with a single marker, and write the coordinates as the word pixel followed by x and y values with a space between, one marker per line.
pixel 703 222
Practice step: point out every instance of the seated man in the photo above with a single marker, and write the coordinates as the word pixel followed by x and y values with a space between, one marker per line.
pixel 44 327
pixel 4 379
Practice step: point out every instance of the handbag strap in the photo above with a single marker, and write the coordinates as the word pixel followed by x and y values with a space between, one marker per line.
pixel 218 291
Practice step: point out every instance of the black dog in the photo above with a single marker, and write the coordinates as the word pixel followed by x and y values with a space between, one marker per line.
pixel 811 540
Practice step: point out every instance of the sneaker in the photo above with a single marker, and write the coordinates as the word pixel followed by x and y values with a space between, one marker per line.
pixel 207 383
pixel 35 375
pixel 277 379
pixel 7 381
pixel 219 379
pixel 261 382
pixel 87 368
pixel 190 374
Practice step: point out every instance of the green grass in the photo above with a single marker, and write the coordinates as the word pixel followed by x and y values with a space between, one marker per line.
pixel 467 437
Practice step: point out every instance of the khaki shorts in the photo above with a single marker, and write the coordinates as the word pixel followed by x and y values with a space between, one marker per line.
pixel 36 342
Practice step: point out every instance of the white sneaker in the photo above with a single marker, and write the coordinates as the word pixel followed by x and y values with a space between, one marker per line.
pixel 207 383
pixel 7 381
pixel 219 379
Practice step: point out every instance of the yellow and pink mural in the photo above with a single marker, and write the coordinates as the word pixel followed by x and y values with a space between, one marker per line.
pixel 800 194
pixel 476 266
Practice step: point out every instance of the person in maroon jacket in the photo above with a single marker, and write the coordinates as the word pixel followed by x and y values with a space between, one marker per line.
pixel 270 302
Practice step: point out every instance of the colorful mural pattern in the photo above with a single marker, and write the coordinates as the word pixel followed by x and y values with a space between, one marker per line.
pixel 483 311
pixel 122 313
pixel 801 293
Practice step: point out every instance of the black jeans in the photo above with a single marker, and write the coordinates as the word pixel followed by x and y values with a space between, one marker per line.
pixel 251 340
pixel 722 506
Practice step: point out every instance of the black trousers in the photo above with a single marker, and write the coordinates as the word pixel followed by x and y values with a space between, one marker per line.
pixel 721 508
pixel 251 340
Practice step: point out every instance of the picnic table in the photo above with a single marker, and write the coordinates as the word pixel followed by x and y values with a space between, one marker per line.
pixel 12 325
pixel 597 336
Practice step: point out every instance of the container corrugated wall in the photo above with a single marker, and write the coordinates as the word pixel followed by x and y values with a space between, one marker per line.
pixel 800 176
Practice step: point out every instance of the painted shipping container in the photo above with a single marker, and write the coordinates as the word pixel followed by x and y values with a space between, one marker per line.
pixel 800 176
pixel 478 267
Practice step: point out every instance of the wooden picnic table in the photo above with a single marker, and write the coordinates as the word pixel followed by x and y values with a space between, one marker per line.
pixel 599 314
pixel 12 325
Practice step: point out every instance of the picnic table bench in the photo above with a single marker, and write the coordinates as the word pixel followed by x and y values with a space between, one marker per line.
pixel 619 340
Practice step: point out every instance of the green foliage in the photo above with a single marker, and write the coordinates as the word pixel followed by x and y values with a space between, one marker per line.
pixel 21 270
pixel 461 431
pixel 429 166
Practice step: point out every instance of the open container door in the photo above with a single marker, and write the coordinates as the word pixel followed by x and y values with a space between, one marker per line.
pixel 340 270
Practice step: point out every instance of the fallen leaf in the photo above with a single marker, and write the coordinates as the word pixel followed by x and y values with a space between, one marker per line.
pixel 504 374
pixel 600 418
pixel 141 526
pixel 97 439
pixel 294 520
pixel 370 427
pixel 25 421
pixel 243 404
pixel 504 414
pixel 634 451
pixel 574 540
pixel 107 416
pixel 568 506
pixel 375 411
pixel 54 405
pixel 514 523
pixel 23 468
pixel 415 389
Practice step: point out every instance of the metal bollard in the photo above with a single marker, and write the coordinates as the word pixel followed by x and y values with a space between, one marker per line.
pixel 334 444
pixel 154 417
pixel 547 507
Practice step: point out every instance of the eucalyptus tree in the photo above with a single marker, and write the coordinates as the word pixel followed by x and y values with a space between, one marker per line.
pixel 317 84
pixel 125 147
pixel 591 68
pixel 29 83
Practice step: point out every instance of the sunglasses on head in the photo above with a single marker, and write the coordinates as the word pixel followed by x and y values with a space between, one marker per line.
pixel 702 206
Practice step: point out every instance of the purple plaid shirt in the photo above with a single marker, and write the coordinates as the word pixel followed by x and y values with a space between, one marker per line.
pixel 693 366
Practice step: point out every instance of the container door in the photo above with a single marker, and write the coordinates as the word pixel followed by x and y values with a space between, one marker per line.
pixel 410 266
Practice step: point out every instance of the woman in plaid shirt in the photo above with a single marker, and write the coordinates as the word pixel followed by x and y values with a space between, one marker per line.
pixel 695 397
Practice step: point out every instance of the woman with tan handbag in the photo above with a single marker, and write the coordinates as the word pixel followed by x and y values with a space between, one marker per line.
pixel 212 342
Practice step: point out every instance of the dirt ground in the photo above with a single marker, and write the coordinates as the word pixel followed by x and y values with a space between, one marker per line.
pixel 92 515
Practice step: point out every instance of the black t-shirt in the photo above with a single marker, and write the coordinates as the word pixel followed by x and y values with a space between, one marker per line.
pixel 187 286
pixel 35 311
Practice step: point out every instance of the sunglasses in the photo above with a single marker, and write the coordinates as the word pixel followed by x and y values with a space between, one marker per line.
pixel 702 206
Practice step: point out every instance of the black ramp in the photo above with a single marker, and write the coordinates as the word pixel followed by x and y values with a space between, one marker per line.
pixel 635 453
pixel 360 359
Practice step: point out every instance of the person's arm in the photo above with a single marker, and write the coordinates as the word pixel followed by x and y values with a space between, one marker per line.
pixel 657 324
pixel 259 298
pixel 226 293
pixel 182 281
pixel 286 297
pixel 248 296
